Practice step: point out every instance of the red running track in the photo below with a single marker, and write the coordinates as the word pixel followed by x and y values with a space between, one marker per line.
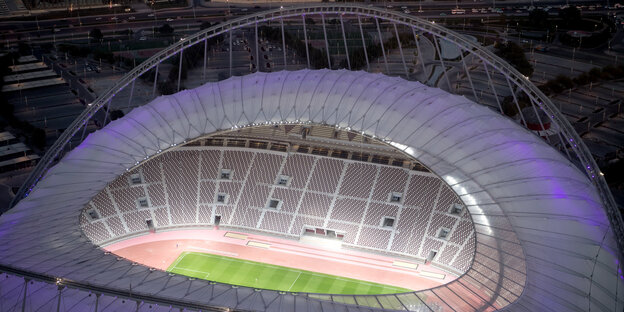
pixel 160 250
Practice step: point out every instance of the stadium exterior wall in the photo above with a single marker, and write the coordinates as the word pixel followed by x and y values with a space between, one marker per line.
pixel 544 241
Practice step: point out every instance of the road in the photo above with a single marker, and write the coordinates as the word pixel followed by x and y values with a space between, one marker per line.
pixel 15 31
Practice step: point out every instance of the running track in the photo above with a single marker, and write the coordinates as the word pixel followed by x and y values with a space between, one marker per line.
pixel 160 250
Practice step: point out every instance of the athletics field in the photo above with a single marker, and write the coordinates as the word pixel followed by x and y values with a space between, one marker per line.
pixel 267 276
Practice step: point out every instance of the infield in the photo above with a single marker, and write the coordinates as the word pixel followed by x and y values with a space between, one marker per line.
pixel 268 276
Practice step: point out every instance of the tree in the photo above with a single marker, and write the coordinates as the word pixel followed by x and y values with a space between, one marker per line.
pixel 594 74
pixel 74 50
pixel 166 29
pixel 47 46
pixel 554 86
pixel 539 19
pixel 116 114
pixel 222 76
pixel 581 79
pixel 96 34
pixel 23 48
pixel 205 25
pixel 6 109
pixel 166 88
pixel 514 54
pixel 38 138
pixel 564 81
pixel 104 55
pixel 570 16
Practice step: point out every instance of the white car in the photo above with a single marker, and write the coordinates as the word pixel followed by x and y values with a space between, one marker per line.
pixel 150 15
pixel 114 18
pixel 169 19
pixel 131 18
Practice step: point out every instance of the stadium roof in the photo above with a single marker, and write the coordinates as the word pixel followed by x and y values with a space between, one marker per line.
pixel 543 239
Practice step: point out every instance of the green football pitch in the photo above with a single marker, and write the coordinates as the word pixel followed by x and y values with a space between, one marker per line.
pixel 268 276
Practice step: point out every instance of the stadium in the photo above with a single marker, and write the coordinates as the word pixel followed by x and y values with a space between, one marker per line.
pixel 318 189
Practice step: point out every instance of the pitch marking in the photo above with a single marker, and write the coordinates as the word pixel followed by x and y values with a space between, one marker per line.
pixel 293 283
pixel 288 269
pixel 196 271
pixel 280 268
pixel 179 259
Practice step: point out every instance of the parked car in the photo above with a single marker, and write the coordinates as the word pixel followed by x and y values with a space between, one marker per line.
pixel 541 48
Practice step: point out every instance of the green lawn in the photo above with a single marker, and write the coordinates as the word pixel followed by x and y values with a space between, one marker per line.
pixel 262 275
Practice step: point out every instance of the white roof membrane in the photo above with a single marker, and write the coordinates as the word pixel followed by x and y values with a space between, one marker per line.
pixel 544 242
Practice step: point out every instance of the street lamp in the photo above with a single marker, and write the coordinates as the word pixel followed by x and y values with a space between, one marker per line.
pixel 572 65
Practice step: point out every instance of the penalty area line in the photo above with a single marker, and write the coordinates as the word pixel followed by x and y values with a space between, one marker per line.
pixel 178 260
pixel 191 270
